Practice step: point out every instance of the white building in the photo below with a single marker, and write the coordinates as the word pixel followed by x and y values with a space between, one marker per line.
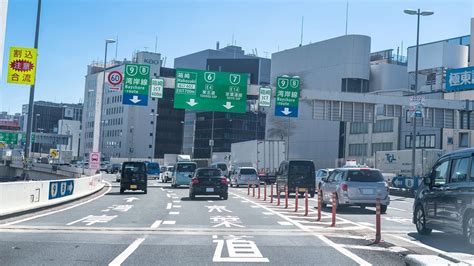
pixel 127 131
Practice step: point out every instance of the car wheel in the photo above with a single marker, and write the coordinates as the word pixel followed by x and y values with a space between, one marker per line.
pixel 231 185
pixel 362 207
pixel 383 209
pixel 144 191
pixel 420 221
pixel 192 196
pixel 225 196
pixel 237 185
pixel 311 194
pixel 469 229
pixel 122 191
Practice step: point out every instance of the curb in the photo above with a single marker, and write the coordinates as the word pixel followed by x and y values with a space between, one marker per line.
pixel 429 260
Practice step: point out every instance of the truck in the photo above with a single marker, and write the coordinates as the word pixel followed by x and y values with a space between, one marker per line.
pixel 396 166
pixel 263 155
pixel 172 159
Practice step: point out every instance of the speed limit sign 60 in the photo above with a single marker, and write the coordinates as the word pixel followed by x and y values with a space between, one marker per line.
pixel 115 78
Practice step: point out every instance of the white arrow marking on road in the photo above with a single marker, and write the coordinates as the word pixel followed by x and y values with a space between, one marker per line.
pixel 135 99
pixel 286 111
pixel 131 199
pixel 192 102
pixel 228 105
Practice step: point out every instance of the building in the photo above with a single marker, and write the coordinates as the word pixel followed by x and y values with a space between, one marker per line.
pixel 228 127
pixel 127 131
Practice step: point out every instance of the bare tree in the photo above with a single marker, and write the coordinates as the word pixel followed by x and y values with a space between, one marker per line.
pixel 278 128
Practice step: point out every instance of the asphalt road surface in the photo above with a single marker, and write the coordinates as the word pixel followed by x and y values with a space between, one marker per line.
pixel 164 227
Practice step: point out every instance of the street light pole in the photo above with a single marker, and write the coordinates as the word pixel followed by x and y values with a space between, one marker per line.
pixel 418 13
pixel 212 136
pixel 29 121
pixel 107 41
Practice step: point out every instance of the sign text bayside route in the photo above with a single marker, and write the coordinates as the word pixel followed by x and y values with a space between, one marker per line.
pixel 210 91
pixel 287 96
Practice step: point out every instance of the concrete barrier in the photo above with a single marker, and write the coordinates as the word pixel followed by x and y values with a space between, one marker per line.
pixel 23 196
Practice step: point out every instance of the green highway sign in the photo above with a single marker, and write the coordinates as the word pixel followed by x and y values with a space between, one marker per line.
pixel 210 91
pixel 287 96
pixel 9 137
pixel 157 88
pixel 136 84
pixel 265 96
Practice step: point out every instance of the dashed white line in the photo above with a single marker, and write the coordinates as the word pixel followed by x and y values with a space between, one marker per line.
pixel 168 195
pixel 366 223
pixel 253 206
pixel 176 201
pixel 397 209
pixel 244 201
pixel 285 223
pixel 173 213
pixel 127 252
pixel 156 224
pixel 175 197
pixel 210 201
pixel 267 213
pixel 169 222
pixel 176 206
pixel 168 206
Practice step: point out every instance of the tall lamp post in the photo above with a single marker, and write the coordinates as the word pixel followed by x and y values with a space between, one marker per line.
pixel 107 41
pixel 418 13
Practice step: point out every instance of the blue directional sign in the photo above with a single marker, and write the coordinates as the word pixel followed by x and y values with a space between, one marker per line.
pixel 406 182
pixel 59 189
pixel 287 96
pixel 135 99
pixel 460 79
pixel 136 84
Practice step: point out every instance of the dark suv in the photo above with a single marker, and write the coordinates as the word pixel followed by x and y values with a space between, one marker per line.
pixel 133 177
pixel 445 201
pixel 296 174
pixel 208 181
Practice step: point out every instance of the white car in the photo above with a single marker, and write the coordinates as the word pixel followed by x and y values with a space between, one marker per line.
pixel 168 174
pixel 320 174
pixel 244 176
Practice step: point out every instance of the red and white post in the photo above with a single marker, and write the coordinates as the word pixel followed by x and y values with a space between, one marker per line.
pixel 320 198
pixel 378 233
pixel 306 202
pixel 286 196
pixel 265 192
pixel 258 190
pixel 296 199
pixel 253 190
pixel 271 193
pixel 248 189
pixel 333 224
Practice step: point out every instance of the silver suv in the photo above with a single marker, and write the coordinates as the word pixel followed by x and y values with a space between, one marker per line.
pixel 356 186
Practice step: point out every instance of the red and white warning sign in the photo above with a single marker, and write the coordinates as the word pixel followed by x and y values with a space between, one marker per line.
pixel 94 160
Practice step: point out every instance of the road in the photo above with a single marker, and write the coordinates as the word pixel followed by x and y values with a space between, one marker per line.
pixel 166 227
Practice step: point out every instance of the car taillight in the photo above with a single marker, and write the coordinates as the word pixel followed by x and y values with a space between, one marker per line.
pixel 224 181
pixel 344 187
pixel 194 181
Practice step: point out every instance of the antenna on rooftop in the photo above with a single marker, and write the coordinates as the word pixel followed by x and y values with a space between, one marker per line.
pixel 301 40
pixel 347 14
pixel 156 42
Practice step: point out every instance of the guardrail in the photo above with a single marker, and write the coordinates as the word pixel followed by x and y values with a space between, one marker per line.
pixel 18 197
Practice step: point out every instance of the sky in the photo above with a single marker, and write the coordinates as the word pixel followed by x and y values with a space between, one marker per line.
pixel 72 32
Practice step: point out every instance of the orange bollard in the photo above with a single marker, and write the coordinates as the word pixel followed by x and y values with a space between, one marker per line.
pixel 253 191
pixel 378 234
pixel 296 199
pixel 265 192
pixel 333 224
pixel 306 203
pixel 286 196
pixel 258 190
pixel 320 198
pixel 271 193
pixel 278 195
pixel 248 189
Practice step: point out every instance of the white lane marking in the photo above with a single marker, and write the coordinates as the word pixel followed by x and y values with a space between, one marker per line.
pixel 397 209
pixel 168 195
pixel 244 201
pixel 175 197
pixel 342 250
pixel 176 206
pixel 61 210
pixel 214 236
pixel 253 206
pixel 366 223
pixel 170 191
pixel 162 188
pixel 210 201
pixel 127 252
pixel 375 248
pixel 176 201
pixel 169 222
pixel 267 213
pixel 174 213
pixel 168 206
pixel 156 224
pixel 285 223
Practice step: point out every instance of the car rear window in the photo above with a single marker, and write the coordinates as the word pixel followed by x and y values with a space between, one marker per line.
pixel 364 176
pixel 300 168
pixel 248 172
pixel 209 172
pixel 186 167
pixel 134 168
pixel 223 167
pixel 153 166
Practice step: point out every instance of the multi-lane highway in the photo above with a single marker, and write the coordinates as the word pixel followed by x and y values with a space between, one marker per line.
pixel 164 227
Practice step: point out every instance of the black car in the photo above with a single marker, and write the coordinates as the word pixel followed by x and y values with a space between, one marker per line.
pixel 113 168
pixel 296 174
pixel 133 177
pixel 445 200
pixel 208 181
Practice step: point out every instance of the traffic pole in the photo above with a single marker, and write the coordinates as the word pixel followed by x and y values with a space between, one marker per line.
pixel 265 192
pixel 286 196
pixel 253 191
pixel 278 195
pixel 320 197
pixel 271 193
pixel 378 234
pixel 248 189
pixel 296 199
pixel 333 224
pixel 258 190
pixel 306 201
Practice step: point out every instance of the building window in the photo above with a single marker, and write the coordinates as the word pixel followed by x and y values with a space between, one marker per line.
pixel 149 146
pixel 421 141
pixel 382 146
pixel 464 139
pixel 357 149
pixel 385 125
pixel 359 128
pixel 354 85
